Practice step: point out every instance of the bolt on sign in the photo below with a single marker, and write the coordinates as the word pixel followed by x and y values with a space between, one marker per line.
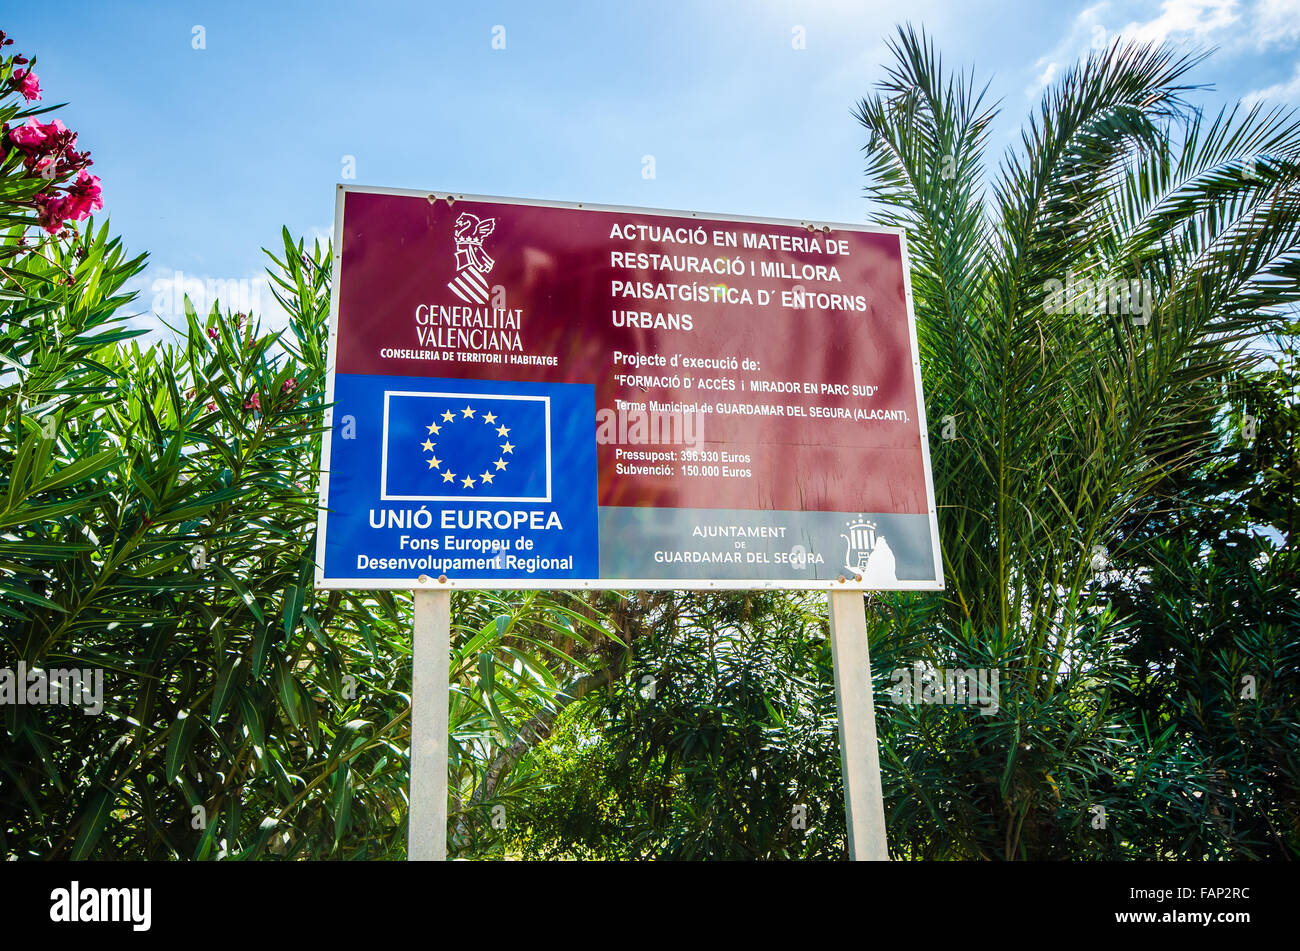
pixel 533 394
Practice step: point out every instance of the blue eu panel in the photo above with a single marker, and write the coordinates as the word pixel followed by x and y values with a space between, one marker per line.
pixel 449 451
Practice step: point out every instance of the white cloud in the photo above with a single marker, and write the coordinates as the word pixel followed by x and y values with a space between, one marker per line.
pixel 1228 24
pixel 1279 92
pixel 1185 19
pixel 323 235
pixel 1088 31
pixel 1276 23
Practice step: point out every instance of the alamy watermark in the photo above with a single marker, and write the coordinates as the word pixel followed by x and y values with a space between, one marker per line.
pixel 33 686
pixel 242 295
pixel 922 683
pixel 78 903
pixel 1103 295
pixel 651 423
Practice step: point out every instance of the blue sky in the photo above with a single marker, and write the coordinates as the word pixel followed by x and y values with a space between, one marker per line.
pixel 205 153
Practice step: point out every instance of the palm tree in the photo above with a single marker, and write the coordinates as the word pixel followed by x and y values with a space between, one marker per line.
pixel 1079 315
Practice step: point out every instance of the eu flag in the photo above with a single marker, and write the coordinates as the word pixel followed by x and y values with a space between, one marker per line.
pixel 466 447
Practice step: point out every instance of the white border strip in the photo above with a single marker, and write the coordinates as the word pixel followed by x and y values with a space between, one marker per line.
pixel 920 411
pixel 331 358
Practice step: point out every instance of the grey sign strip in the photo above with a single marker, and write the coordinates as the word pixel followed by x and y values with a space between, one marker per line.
pixel 728 544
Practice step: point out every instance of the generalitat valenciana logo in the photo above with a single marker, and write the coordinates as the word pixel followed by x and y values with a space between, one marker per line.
pixel 472 262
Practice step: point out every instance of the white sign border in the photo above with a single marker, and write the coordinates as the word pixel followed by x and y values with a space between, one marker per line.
pixel 424 582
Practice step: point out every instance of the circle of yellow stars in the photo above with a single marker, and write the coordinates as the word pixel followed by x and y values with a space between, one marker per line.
pixel 487 475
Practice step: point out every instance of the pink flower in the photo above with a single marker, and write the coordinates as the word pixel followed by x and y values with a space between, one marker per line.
pixel 52 140
pixel 30 137
pixel 253 403
pixel 51 211
pixel 83 196
pixel 212 407
pixel 27 83
pixel 289 384
pixel 72 160
pixel 212 333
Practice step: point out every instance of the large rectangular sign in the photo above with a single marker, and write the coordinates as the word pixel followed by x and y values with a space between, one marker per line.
pixel 541 395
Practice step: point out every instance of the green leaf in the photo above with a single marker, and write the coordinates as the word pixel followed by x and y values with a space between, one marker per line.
pixel 288 693
pixel 261 642
pixel 225 686
pixel 293 598
pixel 178 743
pixel 92 822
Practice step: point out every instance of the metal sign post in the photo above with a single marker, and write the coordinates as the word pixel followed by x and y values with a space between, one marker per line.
pixel 859 749
pixel 430 727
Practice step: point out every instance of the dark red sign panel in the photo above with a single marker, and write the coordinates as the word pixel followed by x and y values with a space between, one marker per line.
pixel 728 401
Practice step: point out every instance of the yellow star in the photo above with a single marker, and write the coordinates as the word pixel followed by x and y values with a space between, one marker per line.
pixel 435 462
pixel 502 431
pixel 507 448
pixel 501 463
pixel 427 446
pixel 467 412
pixel 449 416
pixel 467 482
pixel 434 428
pixel 449 477
pixel 487 476
pixel 490 418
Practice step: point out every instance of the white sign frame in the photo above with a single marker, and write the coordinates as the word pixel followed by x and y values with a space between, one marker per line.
pixel 425 582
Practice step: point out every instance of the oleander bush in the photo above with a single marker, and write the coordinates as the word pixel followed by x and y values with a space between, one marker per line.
pixel 157 522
